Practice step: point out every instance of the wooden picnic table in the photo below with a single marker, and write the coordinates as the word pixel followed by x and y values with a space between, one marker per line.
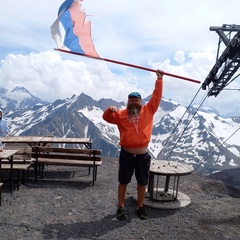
pixel 30 140
pixel 167 169
pixel 40 141
pixel 44 140
pixel 85 141
pixel 8 154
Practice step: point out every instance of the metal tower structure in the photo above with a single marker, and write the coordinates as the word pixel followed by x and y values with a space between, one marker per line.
pixel 228 63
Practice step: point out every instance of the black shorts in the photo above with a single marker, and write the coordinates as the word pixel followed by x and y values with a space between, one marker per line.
pixel 129 162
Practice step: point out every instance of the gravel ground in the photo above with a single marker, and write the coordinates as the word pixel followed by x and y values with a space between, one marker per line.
pixel 65 206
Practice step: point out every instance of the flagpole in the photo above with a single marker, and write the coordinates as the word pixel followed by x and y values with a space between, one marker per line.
pixel 127 64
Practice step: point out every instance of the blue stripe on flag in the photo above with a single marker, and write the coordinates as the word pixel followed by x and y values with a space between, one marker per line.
pixel 65 6
pixel 71 41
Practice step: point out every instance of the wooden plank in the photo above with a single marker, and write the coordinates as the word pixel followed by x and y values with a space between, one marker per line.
pixel 66 150
pixel 16 144
pixel 48 161
pixel 66 156
pixel 67 153
pixel 165 168
pixel 7 166
pixel 15 161
pixel 20 139
pixel 7 153
pixel 65 140
pixel 42 139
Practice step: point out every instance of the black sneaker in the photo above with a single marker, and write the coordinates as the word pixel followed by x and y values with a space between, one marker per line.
pixel 142 214
pixel 121 215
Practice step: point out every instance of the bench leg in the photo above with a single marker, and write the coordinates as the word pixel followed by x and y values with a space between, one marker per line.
pixel 18 178
pixel 94 174
pixel 28 170
pixel 42 169
pixel 36 170
pixel 0 195
pixel 23 176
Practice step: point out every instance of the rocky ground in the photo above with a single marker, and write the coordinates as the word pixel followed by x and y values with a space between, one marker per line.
pixel 65 206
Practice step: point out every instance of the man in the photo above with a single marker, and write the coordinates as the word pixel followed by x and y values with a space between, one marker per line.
pixel 135 126
pixel 3 125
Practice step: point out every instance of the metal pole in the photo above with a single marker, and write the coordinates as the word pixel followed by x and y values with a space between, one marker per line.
pixel 128 64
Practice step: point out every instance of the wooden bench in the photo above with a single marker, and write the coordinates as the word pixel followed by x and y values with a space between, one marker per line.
pixel 67 157
pixel 21 162
pixel 24 151
pixel 19 167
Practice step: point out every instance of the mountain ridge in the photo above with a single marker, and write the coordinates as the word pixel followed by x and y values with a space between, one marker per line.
pixel 18 97
pixel 198 141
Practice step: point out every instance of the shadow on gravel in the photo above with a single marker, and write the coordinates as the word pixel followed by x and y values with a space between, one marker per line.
pixel 62 174
pixel 80 230
pixel 61 179
pixel 52 179
pixel 58 183
pixel 98 228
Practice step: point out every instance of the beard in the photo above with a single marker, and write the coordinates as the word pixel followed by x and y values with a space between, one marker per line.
pixel 134 109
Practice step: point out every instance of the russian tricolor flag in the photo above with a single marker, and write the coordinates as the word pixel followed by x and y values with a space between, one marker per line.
pixel 72 34
pixel 70 31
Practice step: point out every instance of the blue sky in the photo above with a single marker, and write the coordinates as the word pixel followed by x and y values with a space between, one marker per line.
pixel 170 35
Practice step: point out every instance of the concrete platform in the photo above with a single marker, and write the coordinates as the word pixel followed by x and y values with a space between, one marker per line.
pixel 163 201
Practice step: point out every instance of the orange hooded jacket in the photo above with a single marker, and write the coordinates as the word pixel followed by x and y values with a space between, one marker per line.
pixel 136 134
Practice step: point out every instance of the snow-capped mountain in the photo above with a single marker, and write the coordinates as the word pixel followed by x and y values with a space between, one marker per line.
pixel 204 139
pixel 19 97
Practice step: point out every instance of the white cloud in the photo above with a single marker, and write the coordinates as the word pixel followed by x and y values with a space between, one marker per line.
pixel 154 34
pixel 180 57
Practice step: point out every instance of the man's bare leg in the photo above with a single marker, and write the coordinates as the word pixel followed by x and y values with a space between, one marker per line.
pixel 141 190
pixel 122 189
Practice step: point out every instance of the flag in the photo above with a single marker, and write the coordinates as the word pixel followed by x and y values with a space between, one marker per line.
pixel 71 31
pixel 72 34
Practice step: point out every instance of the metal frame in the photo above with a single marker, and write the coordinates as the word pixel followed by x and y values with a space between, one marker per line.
pixel 228 63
